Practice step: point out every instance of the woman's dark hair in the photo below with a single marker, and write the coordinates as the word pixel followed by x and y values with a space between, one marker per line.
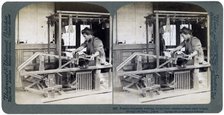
pixel 185 30
pixel 87 31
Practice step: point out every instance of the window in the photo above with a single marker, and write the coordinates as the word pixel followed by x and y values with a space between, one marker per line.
pixel 69 37
pixel 170 35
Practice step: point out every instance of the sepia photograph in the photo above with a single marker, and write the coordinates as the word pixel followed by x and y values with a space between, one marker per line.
pixel 161 54
pixel 112 57
pixel 63 54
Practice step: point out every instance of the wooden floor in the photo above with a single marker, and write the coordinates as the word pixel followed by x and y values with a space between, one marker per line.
pixel 95 98
pixel 171 97
pixel 102 96
pixel 120 97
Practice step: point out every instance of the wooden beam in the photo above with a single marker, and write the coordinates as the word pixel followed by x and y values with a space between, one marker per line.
pixel 79 12
pixel 135 76
pixel 28 61
pixel 34 46
pixel 38 76
pixel 31 85
pixel 52 55
pixel 126 61
pixel 157 40
pixel 34 90
pixel 34 56
pixel 129 85
pixel 23 73
pixel 39 87
pixel 74 59
pixel 168 61
pixel 136 54
pixel 179 12
pixel 162 70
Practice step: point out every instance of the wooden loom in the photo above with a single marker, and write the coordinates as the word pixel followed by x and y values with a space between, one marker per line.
pixel 83 85
pixel 181 76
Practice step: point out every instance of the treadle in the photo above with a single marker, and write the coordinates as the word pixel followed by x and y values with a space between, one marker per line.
pixel 151 90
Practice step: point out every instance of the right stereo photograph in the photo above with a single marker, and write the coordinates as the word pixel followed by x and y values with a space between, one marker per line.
pixel 161 54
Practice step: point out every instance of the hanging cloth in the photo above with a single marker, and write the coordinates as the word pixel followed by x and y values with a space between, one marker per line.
pixel 168 27
pixel 70 26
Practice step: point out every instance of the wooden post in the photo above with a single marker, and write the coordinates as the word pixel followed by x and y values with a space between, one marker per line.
pixel 139 63
pixel 110 39
pixel 157 40
pixel 78 36
pixel 147 39
pixel 41 66
pixel 178 33
pixel 98 75
pixel 59 39
pixel 48 39
pixel 116 29
pixel 110 51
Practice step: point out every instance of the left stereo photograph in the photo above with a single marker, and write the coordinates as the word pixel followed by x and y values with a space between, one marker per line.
pixel 63 54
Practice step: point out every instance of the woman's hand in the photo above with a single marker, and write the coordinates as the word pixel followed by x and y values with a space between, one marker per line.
pixel 92 57
pixel 189 57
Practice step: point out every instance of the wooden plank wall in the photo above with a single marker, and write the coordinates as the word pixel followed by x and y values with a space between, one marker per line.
pixel 31 23
pixel 123 51
pixel 24 51
pixel 131 27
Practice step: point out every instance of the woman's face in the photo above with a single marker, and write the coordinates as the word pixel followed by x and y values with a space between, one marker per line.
pixel 87 37
pixel 186 36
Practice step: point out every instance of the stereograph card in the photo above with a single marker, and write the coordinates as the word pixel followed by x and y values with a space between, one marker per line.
pixel 112 57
